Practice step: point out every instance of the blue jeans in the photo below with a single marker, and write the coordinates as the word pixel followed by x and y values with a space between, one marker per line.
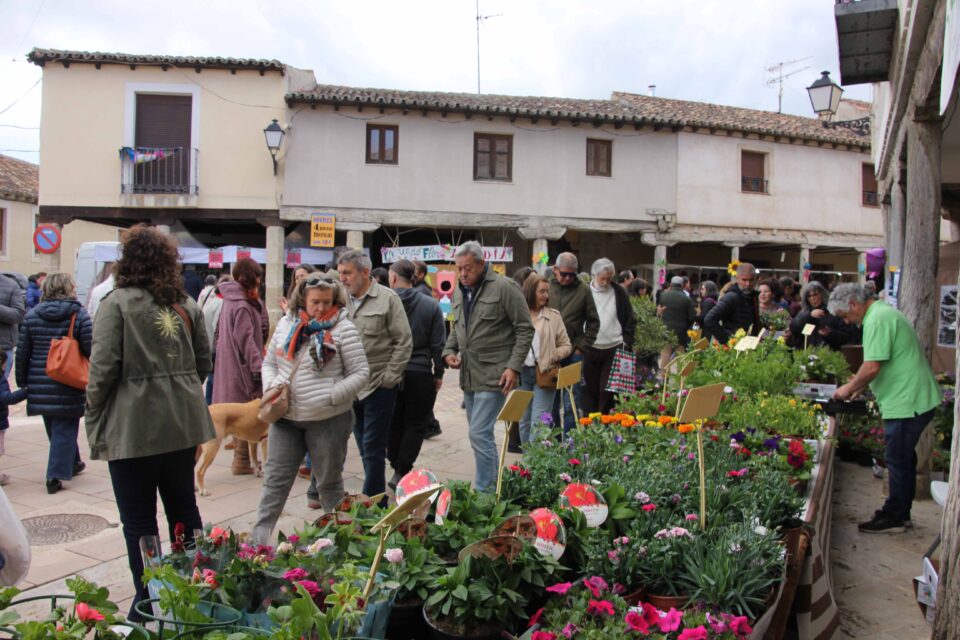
pixel 62 433
pixel 568 421
pixel 208 393
pixel 542 403
pixel 483 407
pixel 9 365
pixel 371 430
pixel 901 438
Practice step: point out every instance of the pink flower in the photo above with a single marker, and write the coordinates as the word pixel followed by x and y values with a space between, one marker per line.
pixel 636 622
pixel 691 456
pixel 597 607
pixel 543 635
pixel 649 507
pixel 393 556
pixel 613 555
pixel 569 630
pixel 311 587
pixel 86 613
pixel 692 517
pixel 535 618
pixel 566 477
pixel 596 584
pixel 293 539
pixel 210 577
pixel 651 615
pixel 670 621
pixel 295 574
pixel 573 461
pixel 718 625
pixel 740 626
pixel 697 633
pixel 560 588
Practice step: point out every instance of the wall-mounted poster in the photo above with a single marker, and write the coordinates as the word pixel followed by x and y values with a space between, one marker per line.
pixel 947 329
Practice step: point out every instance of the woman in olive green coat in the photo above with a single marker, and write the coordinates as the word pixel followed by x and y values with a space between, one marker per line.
pixel 145 408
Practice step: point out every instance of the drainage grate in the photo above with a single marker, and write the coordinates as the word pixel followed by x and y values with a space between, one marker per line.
pixel 62 527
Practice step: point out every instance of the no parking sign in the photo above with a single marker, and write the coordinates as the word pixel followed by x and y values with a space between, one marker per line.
pixel 46 238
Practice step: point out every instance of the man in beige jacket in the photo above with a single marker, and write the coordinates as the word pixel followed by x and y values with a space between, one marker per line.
pixel 384 330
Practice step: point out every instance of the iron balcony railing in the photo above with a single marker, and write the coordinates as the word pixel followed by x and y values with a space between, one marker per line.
pixel 753 185
pixel 159 170
pixel 870 199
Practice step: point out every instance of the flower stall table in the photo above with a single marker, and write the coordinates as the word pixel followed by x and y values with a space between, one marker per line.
pixel 808 589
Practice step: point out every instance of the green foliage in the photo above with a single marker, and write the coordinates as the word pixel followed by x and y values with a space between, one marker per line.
pixel 478 592
pixel 781 414
pixel 651 335
pixel 822 364
pixel 769 368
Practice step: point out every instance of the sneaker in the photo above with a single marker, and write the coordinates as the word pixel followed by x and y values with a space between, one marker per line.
pixel 907 522
pixel 53 485
pixel 313 503
pixel 79 467
pixel 882 522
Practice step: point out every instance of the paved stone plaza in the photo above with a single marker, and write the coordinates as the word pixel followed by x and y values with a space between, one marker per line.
pixel 872 574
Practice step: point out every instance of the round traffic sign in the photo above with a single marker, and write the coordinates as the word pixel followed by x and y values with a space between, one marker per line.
pixel 46 238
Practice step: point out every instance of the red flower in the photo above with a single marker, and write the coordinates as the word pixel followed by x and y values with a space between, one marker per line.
pixel 597 607
pixel 520 470
pixel 86 613
pixel 651 615
pixel 573 461
pixel 596 584
pixel 543 635
pixel 560 588
pixel 535 618
pixel 697 633
pixel 636 622
pixel 649 507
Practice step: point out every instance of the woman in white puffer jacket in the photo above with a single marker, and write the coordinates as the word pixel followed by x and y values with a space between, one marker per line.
pixel 319 340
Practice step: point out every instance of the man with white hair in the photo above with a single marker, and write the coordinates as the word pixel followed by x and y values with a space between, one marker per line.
pixel 490 339
pixel 571 297
pixel 737 309
pixel 617 324
pixel 385 333
pixel 897 371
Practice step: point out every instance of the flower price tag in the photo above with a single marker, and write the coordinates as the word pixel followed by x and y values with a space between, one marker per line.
pixel 747 343
pixel 443 506
pixel 808 329
pixel 587 500
pixel 415 482
pixel 551 534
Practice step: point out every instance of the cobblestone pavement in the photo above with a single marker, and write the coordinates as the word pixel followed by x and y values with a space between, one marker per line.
pixel 872 574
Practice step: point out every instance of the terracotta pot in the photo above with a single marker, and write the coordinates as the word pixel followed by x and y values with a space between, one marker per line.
pixel 435 633
pixel 665 603
pixel 635 597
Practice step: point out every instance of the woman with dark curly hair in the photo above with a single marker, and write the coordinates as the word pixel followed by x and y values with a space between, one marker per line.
pixel 241 333
pixel 145 408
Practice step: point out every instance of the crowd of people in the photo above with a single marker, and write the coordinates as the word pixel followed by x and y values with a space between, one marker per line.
pixel 362 353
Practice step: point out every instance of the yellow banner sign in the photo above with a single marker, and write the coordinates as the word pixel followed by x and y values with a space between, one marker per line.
pixel 322 226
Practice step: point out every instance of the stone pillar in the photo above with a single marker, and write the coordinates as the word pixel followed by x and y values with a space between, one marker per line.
pixel 539 245
pixel 274 271
pixel 896 220
pixel 659 268
pixel 862 267
pixel 735 253
pixel 355 239
pixel 804 261
pixel 541 236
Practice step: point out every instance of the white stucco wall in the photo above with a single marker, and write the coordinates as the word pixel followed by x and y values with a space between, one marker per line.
pixel 325 167
pixel 86 118
pixel 811 188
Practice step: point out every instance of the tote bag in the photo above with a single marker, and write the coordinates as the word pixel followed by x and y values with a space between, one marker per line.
pixel 623 372
pixel 65 363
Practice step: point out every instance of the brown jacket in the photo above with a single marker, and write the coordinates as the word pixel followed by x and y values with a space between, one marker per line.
pixel 554 342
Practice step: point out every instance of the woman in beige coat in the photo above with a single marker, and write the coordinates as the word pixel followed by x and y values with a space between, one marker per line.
pixel 550 345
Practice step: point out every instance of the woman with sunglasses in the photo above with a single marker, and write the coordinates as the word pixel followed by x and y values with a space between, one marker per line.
pixel 318 351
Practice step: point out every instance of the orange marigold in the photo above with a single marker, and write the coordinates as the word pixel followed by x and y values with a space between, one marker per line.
pixel 628 421
pixel 685 428
pixel 606 419
pixel 665 419
pixel 585 421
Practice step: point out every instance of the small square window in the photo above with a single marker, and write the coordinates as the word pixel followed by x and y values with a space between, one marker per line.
pixel 599 157
pixel 492 157
pixel 382 143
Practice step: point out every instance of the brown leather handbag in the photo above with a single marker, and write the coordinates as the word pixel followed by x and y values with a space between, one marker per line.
pixel 65 363
pixel 547 379
pixel 276 400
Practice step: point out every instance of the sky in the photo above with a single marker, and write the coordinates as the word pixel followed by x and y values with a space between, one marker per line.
pixel 717 51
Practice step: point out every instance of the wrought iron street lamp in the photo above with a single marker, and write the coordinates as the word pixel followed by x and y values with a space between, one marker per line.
pixel 825 97
pixel 274 134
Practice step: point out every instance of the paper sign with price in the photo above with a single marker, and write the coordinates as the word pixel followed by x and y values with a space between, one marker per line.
pixel 322 227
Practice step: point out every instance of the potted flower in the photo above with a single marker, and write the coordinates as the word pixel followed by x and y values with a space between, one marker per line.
pixel 414 569
pixel 661 566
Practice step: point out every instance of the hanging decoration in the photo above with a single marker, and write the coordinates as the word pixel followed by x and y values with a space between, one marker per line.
pixel 541 259
pixel 732 267
pixel 142 156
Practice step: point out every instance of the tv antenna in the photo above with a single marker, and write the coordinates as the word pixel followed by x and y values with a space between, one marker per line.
pixel 480 19
pixel 776 76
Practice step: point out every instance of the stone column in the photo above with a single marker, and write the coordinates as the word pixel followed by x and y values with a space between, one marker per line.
pixel 541 236
pixel 355 231
pixel 355 239
pixel 896 220
pixel 861 266
pixel 735 253
pixel 804 261
pixel 659 268
pixel 539 244
pixel 274 271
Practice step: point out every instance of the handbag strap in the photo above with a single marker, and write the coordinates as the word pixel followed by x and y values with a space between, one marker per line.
pixel 296 365
pixel 187 322
pixel 73 320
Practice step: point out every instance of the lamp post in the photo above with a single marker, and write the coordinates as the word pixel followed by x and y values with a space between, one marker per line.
pixel 274 135
pixel 825 97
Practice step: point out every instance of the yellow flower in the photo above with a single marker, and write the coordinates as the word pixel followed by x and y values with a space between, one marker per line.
pixel 594 415
pixel 643 417
pixel 793 402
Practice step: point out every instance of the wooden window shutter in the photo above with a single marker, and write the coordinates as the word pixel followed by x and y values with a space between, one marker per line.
pixel 163 121
pixel 751 165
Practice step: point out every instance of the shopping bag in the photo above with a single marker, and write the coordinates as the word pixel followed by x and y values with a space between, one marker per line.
pixel 623 373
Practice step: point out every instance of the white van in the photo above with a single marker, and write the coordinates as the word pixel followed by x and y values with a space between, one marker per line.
pixel 91 258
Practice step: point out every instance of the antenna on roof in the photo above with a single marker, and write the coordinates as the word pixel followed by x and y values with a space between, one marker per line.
pixel 776 76
pixel 480 18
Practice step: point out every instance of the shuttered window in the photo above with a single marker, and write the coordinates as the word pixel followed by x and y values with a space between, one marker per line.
pixel 599 159
pixel 752 172
pixel 163 125
pixel 868 181
pixel 382 142
pixel 492 157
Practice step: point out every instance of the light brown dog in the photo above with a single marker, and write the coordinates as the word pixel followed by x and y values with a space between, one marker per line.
pixel 239 420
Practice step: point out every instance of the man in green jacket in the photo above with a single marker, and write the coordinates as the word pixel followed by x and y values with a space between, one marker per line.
pixel 898 373
pixel 572 298
pixel 385 332
pixel 491 337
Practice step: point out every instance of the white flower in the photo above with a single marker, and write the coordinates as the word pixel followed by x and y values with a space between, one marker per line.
pixel 284 548
pixel 319 544
pixel 393 556
pixel 735 548
pixel 728 389
pixel 595 483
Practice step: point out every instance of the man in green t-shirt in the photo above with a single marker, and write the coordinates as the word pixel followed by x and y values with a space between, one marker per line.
pixel 900 377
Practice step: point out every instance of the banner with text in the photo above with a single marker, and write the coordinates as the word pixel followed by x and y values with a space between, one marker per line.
pixel 440 253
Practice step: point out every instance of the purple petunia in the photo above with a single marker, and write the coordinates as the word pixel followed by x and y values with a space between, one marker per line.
pixel 772 443
pixel 739 436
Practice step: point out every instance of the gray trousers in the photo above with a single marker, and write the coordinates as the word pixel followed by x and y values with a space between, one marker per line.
pixel 326 441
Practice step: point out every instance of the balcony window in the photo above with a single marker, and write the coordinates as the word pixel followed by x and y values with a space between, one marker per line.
pixel 868 186
pixel 162 159
pixel 753 174
pixel 382 144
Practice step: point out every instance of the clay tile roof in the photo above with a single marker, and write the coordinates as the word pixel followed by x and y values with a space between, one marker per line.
pixel 40 57
pixel 622 108
pixel 19 180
